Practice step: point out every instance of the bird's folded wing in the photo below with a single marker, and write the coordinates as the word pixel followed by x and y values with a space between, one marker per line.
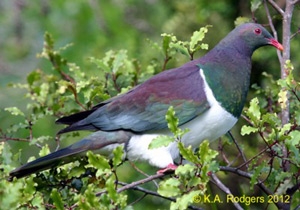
pixel 144 107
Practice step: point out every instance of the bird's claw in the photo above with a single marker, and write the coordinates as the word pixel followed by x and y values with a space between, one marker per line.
pixel 170 168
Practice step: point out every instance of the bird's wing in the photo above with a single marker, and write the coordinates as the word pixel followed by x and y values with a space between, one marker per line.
pixel 144 107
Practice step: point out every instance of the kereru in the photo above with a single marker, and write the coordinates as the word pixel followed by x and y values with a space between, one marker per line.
pixel 208 95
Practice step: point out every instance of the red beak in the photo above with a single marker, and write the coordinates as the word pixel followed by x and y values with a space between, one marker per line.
pixel 276 44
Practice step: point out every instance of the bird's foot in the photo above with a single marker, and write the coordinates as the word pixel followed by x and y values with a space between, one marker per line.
pixel 170 168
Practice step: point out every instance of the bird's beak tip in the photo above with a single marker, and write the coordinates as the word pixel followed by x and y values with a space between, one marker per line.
pixel 276 44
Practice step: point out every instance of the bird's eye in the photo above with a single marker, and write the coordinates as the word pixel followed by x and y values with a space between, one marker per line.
pixel 257 31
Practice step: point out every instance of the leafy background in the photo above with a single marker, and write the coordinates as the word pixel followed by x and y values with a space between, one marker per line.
pixel 95 28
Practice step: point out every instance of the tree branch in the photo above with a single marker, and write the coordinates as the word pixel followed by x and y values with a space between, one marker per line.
pixel 251 159
pixel 149 192
pixel 5 138
pixel 133 184
pixel 273 30
pixel 295 1
pixel 142 172
pixel 146 191
pixel 142 181
pixel 286 41
pixel 239 148
pixel 225 189
pixel 276 7
pixel 239 172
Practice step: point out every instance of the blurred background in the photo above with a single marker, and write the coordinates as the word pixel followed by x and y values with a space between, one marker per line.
pixel 95 27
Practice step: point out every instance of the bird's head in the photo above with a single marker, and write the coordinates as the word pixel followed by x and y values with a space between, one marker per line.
pixel 255 36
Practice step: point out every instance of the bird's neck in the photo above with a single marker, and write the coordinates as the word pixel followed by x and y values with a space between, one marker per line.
pixel 227 72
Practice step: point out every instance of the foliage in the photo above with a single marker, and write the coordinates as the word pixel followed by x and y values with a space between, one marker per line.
pixel 279 170
pixel 57 94
pixel 60 86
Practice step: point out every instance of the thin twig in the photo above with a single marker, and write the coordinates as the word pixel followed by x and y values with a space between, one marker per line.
pixel 239 148
pixel 295 1
pixel 296 33
pixel 142 172
pixel 5 138
pixel 276 7
pixel 221 150
pixel 149 192
pixel 57 140
pixel 142 181
pixel 247 119
pixel 251 159
pixel 138 200
pixel 146 191
pixel 273 30
pixel 246 175
pixel 166 60
pixel 133 184
pixel 137 169
pixel 225 189
pixel 239 172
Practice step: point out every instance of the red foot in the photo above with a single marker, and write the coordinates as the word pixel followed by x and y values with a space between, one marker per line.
pixel 170 168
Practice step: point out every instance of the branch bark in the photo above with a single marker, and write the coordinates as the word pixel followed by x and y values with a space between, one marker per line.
pixel 286 34
pixel 280 205
pixel 149 192
pixel 225 189
pixel 286 37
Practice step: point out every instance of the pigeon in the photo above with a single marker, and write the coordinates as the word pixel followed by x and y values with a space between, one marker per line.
pixel 207 95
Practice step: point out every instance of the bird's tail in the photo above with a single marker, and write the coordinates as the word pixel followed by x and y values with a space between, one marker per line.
pixel 59 157
pixel 94 141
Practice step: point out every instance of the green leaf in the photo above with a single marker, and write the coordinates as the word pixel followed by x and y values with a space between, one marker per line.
pixel 284 185
pixel 295 138
pixel 169 187
pixel 241 20
pixel 33 76
pixel 183 201
pixel 49 40
pixel 180 48
pixel 100 64
pixel 188 153
pixel 272 119
pixel 6 153
pixel 55 196
pixel 282 135
pixel 14 111
pixel 76 171
pixel 40 139
pixel 255 4
pixel 289 81
pixel 98 161
pixel 160 141
pixel 204 46
pixel 253 111
pixel 88 200
pixel 197 36
pixel 172 120
pixel 44 151
pixel 293 146
pixel 257 171
pixel 119 60
pixel 186 169
pixel 206 154
pixel 110 186
pixel 167 38
pixel 43 93
pixel 282 98
pixel 118 156
pixel 246 130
